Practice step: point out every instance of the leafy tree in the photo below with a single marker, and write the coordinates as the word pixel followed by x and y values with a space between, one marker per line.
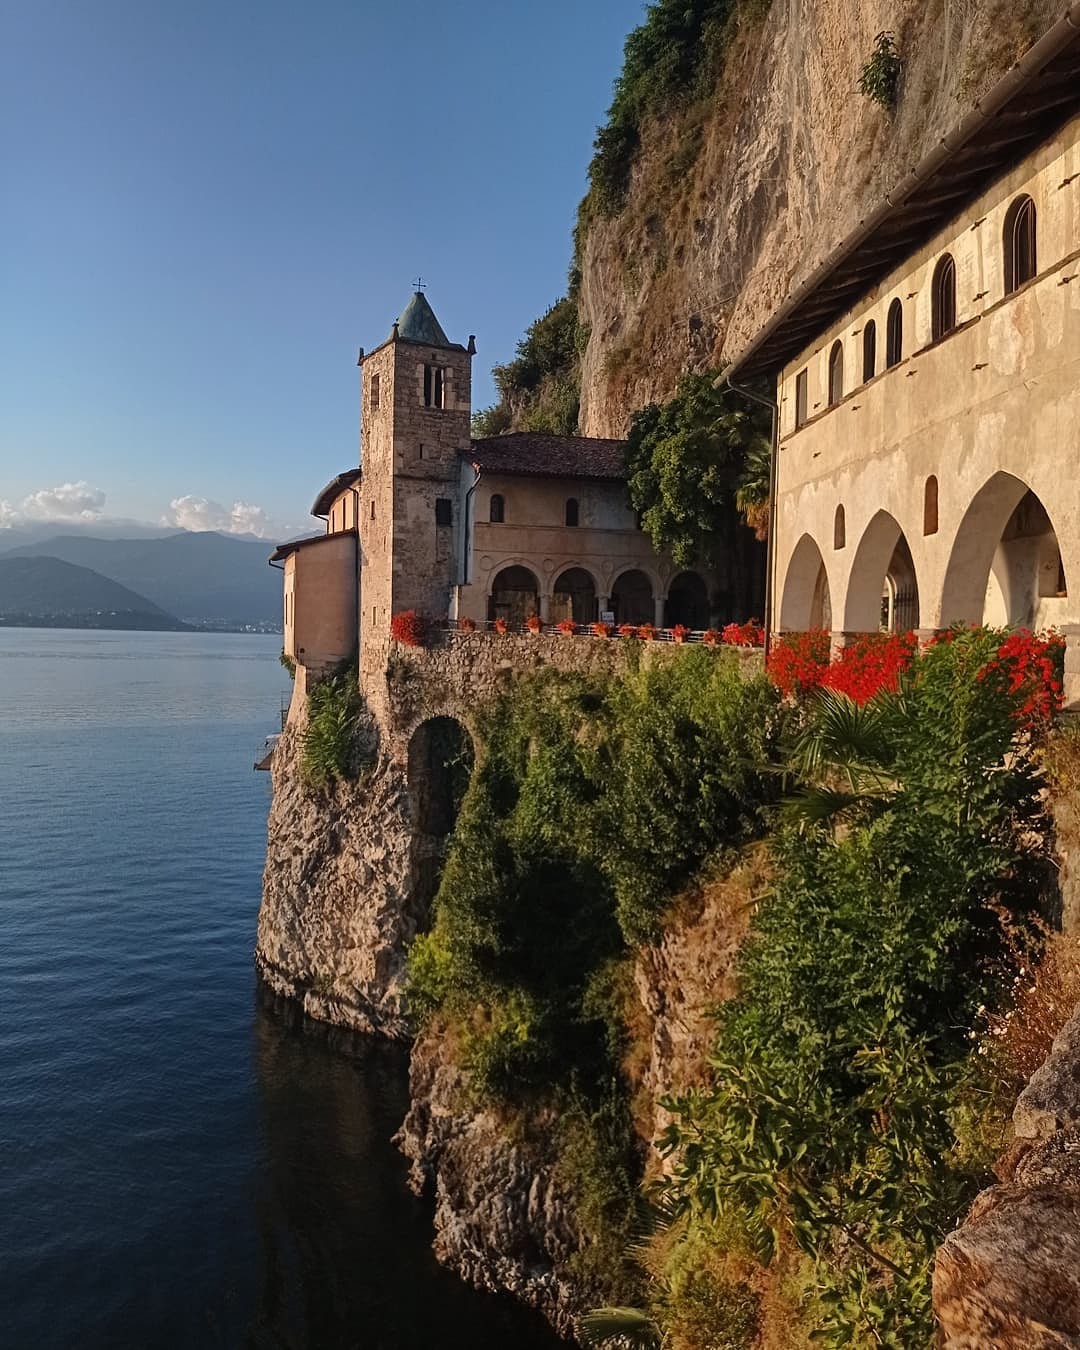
pixel 685 461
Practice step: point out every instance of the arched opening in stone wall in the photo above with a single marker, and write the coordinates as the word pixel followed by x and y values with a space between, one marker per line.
pixel 574 597
pixel 1005 567
pixel 806 602
pixel 687 602
pixel 883 590
pixel 632 598
pixel 515 594
pixel 440 764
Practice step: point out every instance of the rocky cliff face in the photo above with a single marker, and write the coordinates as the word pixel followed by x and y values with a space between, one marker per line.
pixel 339 905
pixel 734 201
pixel 1009 1277
pixel 504 1220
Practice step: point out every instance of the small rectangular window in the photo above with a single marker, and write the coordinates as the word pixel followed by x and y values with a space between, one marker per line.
pixel 443 511
pixel 434 386
pixel 800 399
pixel 373 508
pixel 375 393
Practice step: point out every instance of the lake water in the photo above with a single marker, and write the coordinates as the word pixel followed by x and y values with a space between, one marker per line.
pixel 181 1164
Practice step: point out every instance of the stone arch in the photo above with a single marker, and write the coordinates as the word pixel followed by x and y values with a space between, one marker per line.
pixel 1005 563
pixel 440 763
pixel 806 601
pixel 514 594
pixel 632 597
pixel 883 588
pixel 573 595
pixel 687 602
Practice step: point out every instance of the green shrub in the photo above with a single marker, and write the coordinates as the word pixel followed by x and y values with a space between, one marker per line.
pixel 685 764
pixel 880 78
pixel 333 736
pixel 597 1160
pixel 844 1070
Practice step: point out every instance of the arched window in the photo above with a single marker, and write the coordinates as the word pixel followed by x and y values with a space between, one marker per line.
pixel 869 350
pixel 839 529
pixel 943 298
pixel 496 509
pixel 836 374
pixel 1020 256
pixel 894 335
pixel 929 510
pixel 571 511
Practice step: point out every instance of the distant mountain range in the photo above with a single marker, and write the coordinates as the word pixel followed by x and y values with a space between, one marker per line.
pixel 48 592
pixel 200 578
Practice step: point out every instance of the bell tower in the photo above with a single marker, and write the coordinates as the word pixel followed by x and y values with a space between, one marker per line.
pixel 416 409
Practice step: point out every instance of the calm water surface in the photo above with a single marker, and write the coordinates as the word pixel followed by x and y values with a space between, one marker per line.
pixel 180 1164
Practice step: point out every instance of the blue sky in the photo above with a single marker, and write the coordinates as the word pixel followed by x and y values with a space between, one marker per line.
pixel 206 207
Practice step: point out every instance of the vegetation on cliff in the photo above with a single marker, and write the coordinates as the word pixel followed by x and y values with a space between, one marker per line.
pixel 671 59
pixel 541 388
pixel 591 802
pixel 332 745
pixel 849 1117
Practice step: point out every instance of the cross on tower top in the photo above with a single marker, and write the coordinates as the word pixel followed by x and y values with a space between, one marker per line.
pixel 419 284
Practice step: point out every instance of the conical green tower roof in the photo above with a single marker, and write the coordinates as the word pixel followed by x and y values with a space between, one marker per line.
pixel 418 323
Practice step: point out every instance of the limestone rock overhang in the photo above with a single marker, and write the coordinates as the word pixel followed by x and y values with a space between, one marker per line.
pixel 335 486
pixel 532 454
pixel 1026 106
pixel 283 551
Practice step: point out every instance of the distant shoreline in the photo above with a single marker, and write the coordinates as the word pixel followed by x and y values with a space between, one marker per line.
pixel 92 623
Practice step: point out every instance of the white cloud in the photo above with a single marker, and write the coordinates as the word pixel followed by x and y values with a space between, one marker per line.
pixel 199 513
pixel 70 501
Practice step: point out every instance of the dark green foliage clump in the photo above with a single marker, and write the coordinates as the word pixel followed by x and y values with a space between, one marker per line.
pixel 540 390
pixel 675 56
pixel 844 1069
pixel 880 78
pixel 333 735
pixel 590 803
pixel 687 460
pixel 686 764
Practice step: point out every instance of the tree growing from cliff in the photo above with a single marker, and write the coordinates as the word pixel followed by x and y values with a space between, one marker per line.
pixel 540 389
pixel 686 462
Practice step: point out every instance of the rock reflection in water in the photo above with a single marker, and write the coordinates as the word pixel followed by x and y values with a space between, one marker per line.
pixel 346 1261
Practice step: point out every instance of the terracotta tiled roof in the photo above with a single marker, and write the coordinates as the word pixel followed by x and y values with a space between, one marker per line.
pixel 534 454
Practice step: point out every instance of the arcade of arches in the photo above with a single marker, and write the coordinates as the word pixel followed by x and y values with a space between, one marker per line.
pixel 516 594
pixel 1002 567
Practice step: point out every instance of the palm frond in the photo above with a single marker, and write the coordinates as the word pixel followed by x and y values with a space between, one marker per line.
pixel 820 805
pixel 847 738
pixel 619 1327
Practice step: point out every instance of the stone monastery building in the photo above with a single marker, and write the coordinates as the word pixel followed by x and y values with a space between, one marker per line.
pixel 927 461
pixel 437 522
pixel 926 466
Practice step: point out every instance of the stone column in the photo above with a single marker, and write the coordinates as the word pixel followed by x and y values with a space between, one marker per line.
pixel 1071 693
pixel 658 611
pixel 602 602
pixel 839 640
pixel 545 607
